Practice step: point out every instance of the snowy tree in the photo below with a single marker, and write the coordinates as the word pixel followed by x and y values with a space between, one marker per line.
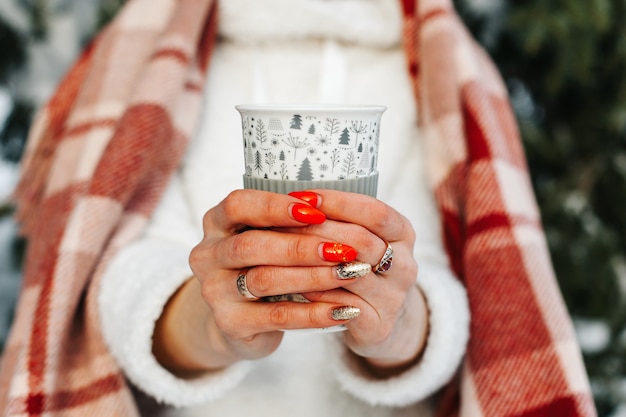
pixel 305 173
pixel 258 163
pixel 312 129
pixel 296 122
pixel 344 139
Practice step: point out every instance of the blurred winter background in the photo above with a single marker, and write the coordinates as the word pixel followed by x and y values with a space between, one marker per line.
pixel 565 65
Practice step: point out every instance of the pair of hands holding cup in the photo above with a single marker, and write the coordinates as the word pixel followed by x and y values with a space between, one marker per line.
pixel 287 244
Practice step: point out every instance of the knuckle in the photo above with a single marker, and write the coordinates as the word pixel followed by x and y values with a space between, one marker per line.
pixel 241 245
pixel 270 205
pixel 232 203
pixel 382 215
pixel 198 258
pixel 279 314
pixel 367 243
pixel 317 277
pixel 234 196
pixel 195 258
pixel 207 220
pixel 316 317
pixel 297 248
pixel 408 278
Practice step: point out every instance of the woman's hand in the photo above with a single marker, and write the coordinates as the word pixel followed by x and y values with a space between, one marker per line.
pixel 390 332
pixel 241 237
pixel 283 246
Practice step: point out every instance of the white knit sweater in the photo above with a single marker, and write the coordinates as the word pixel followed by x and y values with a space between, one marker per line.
pixel 289 51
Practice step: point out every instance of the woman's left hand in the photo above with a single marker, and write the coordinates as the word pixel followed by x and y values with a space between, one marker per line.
pixel 391 330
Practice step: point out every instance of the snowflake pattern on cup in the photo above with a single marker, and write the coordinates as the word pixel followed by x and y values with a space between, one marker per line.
pixel 311 146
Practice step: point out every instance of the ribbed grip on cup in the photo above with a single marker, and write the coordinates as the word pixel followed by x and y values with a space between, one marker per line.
pixel 364 185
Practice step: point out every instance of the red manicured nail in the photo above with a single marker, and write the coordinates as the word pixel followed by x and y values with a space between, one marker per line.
pixel 308 196
pixel 307 214
pixel 338 252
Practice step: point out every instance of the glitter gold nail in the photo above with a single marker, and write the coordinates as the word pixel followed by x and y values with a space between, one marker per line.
pixel 345 313
pixel 350 270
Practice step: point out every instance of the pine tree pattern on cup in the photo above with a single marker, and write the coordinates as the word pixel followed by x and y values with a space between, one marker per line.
pixel 309 147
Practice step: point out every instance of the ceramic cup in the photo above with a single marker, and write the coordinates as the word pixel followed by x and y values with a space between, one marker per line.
pixel 297 147
pixel 300 147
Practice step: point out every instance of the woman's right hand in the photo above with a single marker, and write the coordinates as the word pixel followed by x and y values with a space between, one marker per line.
pixel 221 326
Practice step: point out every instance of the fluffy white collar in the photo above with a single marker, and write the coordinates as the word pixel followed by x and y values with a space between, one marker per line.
pixel 375 23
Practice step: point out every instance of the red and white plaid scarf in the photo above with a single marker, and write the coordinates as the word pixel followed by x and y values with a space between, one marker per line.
pixel 102 150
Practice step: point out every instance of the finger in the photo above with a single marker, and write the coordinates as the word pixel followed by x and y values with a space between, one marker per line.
pixel 370 250
pixel 369 246
pixel 373 214
pixel 383 292
pixel 260 209
pixel 267 247
pixel 368 319
pixel 248 319
pixel 374 318
pixel 263 281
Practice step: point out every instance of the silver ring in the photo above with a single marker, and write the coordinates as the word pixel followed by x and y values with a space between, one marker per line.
pixel 385 262
pixel 242 286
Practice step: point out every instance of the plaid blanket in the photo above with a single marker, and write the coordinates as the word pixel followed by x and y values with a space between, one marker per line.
pixel 102 150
